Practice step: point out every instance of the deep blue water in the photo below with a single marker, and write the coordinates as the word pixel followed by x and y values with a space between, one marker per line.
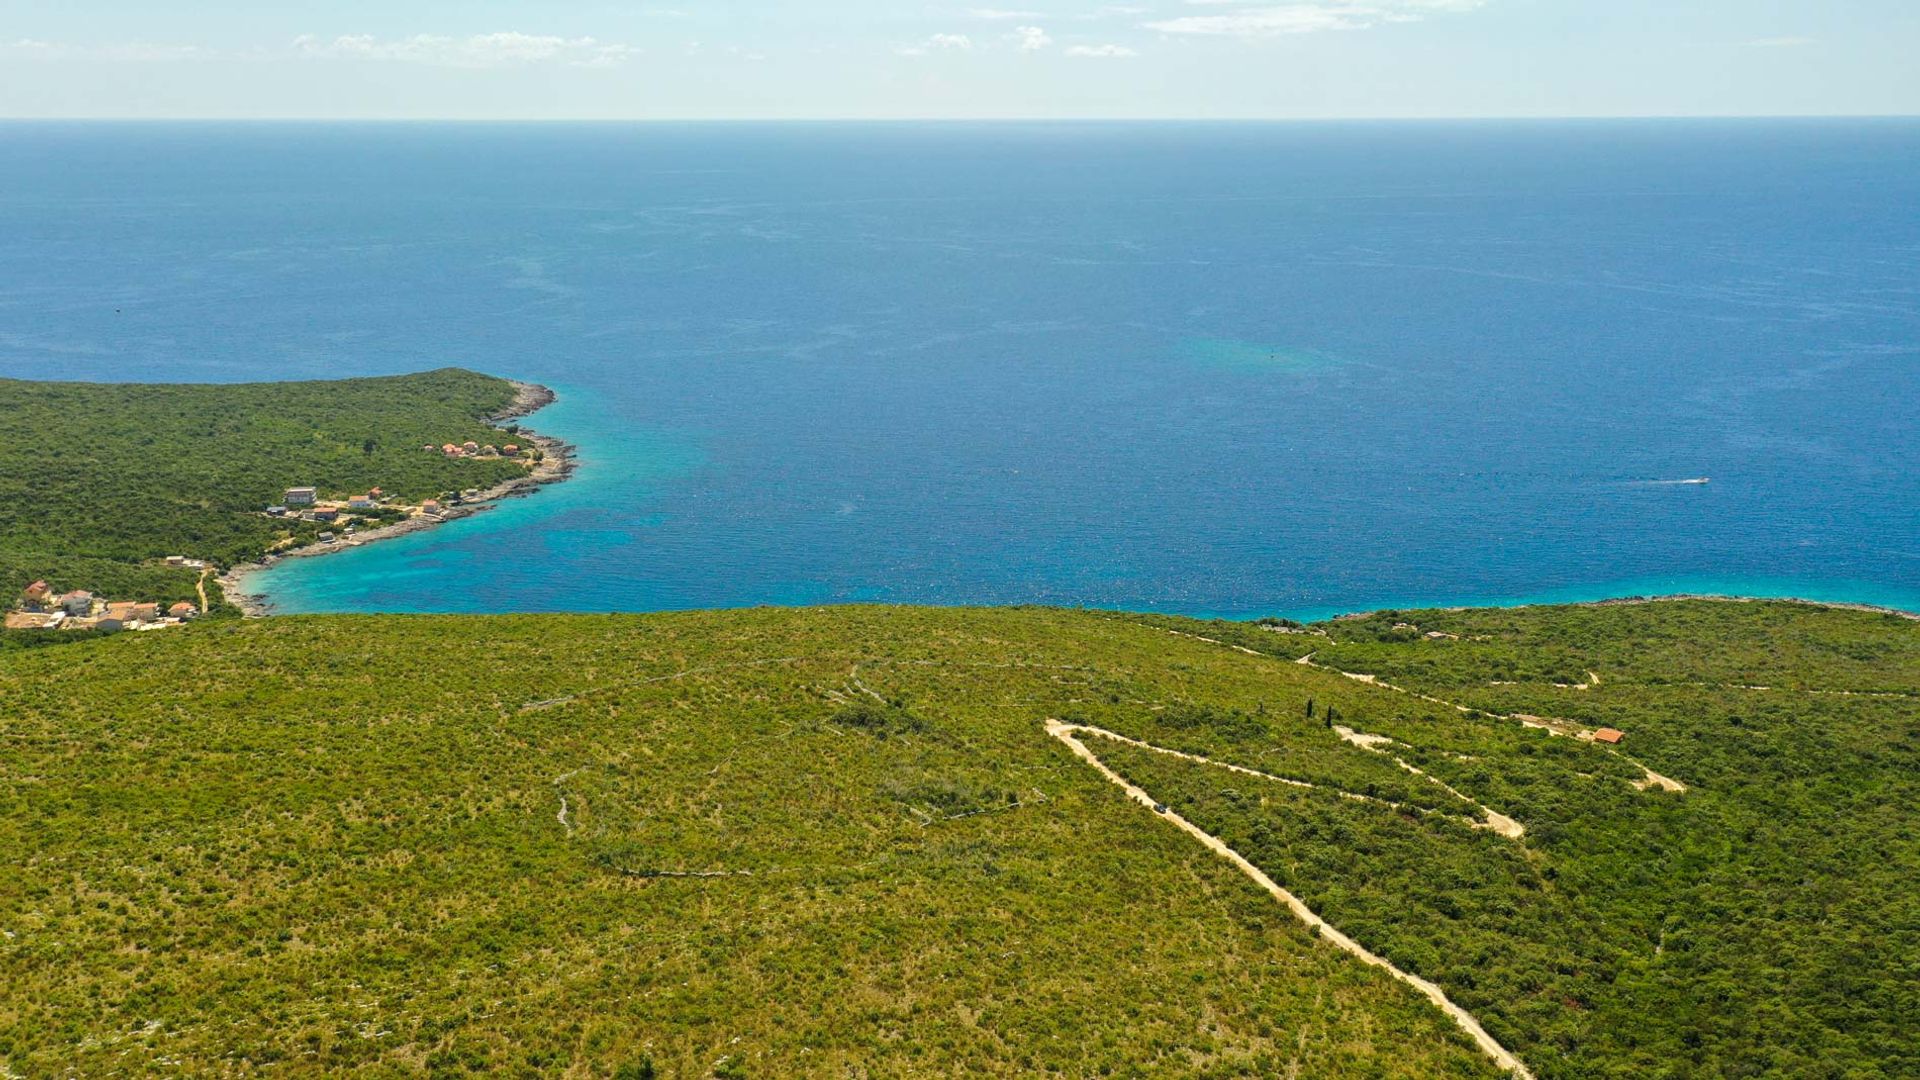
pixel 1232 369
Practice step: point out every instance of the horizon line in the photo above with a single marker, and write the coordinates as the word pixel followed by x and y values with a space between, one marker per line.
pixel 1380 118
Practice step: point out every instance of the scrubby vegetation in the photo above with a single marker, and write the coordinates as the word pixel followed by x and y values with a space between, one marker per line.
pixel 822 842
pixel 100 480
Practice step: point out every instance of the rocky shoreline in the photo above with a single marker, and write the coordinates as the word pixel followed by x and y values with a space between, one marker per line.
pixel 1629 601
pixel 556 464
pixel 1837 605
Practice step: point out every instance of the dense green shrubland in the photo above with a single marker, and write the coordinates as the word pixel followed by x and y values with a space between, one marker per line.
pixel 390 844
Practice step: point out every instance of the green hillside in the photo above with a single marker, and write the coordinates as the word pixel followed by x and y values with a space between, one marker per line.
pixel 99 480
pixel 843 842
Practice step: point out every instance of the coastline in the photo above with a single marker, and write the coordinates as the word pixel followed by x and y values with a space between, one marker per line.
pixel 557 463
pixel 559 460
pixel 1631 601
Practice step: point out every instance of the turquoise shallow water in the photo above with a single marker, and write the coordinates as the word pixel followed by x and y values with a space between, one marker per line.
pixel 1213 369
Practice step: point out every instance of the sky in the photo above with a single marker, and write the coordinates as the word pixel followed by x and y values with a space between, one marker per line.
pixel 842 59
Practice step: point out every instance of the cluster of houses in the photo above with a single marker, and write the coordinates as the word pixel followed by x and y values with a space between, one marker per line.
pixel 471 449
pixel 305 504
pixel 40 608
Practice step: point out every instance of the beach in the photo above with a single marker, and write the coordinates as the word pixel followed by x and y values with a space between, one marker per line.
pixel 556 464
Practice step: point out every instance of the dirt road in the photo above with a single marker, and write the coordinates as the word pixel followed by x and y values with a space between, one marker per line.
pixel 1069 735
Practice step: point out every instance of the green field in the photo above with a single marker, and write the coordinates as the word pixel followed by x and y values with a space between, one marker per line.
pixel 99 481
pixel 394 845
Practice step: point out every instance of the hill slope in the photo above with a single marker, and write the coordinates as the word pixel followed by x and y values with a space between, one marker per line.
pixel 812 842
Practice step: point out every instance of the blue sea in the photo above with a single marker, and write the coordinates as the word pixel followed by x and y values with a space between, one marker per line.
pixel 1233 369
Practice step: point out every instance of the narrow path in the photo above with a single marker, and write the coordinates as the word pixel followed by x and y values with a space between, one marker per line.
pixel 1490 821
pixel 202 586
pixel 1069 735
pixel 1377 744
pixel 1552 725
pixel 559 786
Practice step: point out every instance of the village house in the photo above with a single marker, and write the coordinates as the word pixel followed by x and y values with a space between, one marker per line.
pixel 326 513
pixel 82 610
pixel 362 502
pixel 431 506
pixel 302 496
pixel 277 511
pixel 1610 736
pixel 470 446
pixel 131 613
pixel 510 448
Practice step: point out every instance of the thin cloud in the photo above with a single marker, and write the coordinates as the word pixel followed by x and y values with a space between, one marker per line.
pixel 502 50
pixel 1102 52
pixel 1031 38
pixel 136 52
pixel 937 43
pixel 1277 21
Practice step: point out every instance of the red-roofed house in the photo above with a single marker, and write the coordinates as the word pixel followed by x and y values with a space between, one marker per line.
pixel 128 612
pixel 1609 736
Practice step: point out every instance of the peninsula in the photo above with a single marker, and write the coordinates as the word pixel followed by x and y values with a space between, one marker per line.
pixel 127 493
pixel 547 461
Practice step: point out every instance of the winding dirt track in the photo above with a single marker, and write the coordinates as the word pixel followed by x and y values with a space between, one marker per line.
pixel 1069 735
pixel 1564 728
